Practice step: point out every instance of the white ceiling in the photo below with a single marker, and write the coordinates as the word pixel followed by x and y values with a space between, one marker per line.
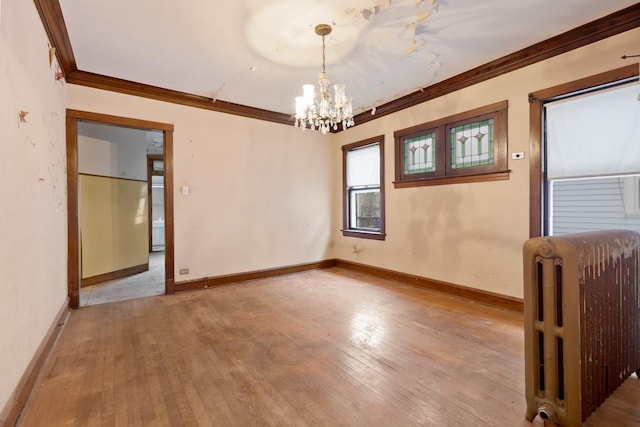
pixel 259 52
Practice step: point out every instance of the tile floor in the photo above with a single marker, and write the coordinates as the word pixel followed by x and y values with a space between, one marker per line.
pixel 145 284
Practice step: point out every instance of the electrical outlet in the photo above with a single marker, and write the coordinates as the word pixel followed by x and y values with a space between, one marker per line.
pixel 184 271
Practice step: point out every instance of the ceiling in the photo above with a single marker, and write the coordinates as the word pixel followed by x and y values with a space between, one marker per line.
pixel 258 53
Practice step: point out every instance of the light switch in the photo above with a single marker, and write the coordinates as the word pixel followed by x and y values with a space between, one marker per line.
pixel 185 190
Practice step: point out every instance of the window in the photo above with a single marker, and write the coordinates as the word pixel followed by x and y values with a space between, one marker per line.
pixel 592 159
pixel 539 187
pixel 592 203
pixel 467 147
pixel 363 166
pixel 418 151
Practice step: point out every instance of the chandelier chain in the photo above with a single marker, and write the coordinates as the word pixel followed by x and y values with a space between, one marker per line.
pixel 323 60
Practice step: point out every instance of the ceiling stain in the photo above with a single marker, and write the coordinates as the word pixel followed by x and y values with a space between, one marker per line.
pixel 415 30
pixel 213 47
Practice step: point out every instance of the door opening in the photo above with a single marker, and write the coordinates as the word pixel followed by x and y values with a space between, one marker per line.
pixel 110 212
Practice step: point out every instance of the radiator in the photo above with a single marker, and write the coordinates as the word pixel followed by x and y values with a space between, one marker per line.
pixel 582 321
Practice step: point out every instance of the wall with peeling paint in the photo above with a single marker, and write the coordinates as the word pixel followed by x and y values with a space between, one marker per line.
pixel 33 212
pixel 260 193
pixel 468 234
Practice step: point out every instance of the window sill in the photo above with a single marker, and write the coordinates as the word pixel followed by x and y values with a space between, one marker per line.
pixel 364 234
pixel 455 179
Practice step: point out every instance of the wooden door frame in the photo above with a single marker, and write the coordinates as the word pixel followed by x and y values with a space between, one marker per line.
pixel 536 101
pixel 73 225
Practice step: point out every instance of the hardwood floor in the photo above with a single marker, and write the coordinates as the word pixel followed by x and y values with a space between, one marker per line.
pixel 324 347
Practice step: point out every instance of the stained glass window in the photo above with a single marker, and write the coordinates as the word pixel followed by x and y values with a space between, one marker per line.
pixel 419 154
pixel 471 144
pixel 467 147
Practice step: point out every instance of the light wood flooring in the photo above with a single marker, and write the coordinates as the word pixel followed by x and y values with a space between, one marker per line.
pixel 322 348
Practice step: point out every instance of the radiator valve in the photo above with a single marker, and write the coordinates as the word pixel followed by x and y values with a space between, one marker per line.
pixel 547 414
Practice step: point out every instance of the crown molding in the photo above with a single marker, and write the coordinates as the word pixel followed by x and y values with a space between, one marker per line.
pixel 53 22
pixel 98 81
pixel 610 25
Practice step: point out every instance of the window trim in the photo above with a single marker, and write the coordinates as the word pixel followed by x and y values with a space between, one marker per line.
pixel 444 173
pixel 353 232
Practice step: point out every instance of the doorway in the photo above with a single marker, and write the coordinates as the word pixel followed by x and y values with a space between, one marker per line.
pixel 129 189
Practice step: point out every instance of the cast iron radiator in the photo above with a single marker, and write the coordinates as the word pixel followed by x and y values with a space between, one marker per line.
pixel 582 321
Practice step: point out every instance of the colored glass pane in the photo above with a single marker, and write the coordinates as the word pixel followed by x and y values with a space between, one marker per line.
pixel 472 144
pixel 419 154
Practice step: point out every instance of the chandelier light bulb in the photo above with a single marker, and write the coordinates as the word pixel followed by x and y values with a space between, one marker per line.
pixel 339 90
pixel 320 110
pixel 309 94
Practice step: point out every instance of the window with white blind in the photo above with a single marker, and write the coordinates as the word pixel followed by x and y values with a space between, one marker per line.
pixel 593 159
pixel 363 164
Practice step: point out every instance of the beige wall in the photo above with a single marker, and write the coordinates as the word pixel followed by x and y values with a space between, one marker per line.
pixel 32 192
pixel 114 224
pixel 468 234
pixel 260 193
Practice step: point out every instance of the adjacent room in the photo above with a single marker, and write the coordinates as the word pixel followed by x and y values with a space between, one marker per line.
pixel 306 213
pixel 121 212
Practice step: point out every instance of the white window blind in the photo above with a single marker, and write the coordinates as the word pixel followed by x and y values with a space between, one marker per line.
pixel 595 134
pixel 363 166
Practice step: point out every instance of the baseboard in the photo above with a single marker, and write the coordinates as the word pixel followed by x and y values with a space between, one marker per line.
pixel 114 275
pixel 207 282
pixel 477 295
pixel 13 408
pixel 485 297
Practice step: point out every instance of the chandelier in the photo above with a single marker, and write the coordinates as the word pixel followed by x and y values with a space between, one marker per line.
pixel 318 110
